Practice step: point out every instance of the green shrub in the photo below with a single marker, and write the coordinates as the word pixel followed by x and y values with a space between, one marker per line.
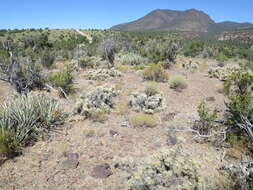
pixel 238 90
pixel 151 89
pixel 62 79
pixel 155 73
pixel 132 59
pixel 9 147
pixel 99 115
pixel 47 59
pixel 143 120
pixel 194 48
pixel 240 105
pixel 25 118
pixel 207 117
pixel 87 62
pixel 246 65
pixel 139 67
pixel 221 57
pixel 178 82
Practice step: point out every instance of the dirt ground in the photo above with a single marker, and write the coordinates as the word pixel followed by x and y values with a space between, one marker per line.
pixel 43 166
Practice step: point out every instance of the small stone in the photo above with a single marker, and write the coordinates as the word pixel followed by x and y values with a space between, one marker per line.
pixel 210 99
pixel 71 155
pixel 70 164
pixel 102 171
pixel 124 124
pixel 114 133
pixel 172 141
pixel 44 157
pixel 169 116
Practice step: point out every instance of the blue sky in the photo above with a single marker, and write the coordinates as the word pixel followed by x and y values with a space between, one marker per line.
pixel 105 13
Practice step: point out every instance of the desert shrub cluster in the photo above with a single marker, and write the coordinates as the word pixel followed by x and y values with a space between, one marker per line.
pixel 143 120
pixel 62 79
pixel 178 82
pixel 155 73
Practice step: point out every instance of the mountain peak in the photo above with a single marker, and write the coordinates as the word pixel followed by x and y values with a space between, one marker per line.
pixel 189 20
pixel 192 10
pixel 165 19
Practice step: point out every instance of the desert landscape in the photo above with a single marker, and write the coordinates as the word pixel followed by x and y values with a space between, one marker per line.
pixel 163 102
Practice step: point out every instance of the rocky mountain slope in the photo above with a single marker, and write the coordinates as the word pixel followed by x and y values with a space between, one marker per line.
pixel 189 20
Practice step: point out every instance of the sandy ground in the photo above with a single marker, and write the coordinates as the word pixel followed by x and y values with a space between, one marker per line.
pixel 41 166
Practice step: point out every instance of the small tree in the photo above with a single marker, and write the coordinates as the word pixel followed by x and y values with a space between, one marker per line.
pixel 170 55
pixel 240 105
pixel 207 117
pixel 109 48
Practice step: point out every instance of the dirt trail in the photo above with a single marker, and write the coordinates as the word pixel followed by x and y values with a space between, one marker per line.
pixel 84 34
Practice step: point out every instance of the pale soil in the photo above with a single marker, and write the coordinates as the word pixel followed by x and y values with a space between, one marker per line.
pixel 40 167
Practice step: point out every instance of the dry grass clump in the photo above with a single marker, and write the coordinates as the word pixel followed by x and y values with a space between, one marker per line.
pixel 151 89
pixel 121 108
pixel 99 115
pixel 178 82
pixel 143 120
pixel 155 73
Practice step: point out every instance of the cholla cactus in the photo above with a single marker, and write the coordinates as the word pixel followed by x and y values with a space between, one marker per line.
pixel 103 74
pixel 100 98
pixel 148 104
pixel 166 169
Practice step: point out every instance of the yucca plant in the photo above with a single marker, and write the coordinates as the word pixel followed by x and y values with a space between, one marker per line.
pixel 27 116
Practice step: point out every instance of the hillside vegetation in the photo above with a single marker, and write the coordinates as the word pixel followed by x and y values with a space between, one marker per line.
pixel 125 110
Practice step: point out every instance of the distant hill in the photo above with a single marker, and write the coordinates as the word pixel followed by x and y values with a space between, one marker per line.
pixel 190 20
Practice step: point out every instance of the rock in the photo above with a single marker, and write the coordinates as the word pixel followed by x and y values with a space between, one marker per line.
pixel 44 157
pixel 71 162
pixel 102 171
pixel 71 155
pixel 113 133
pixel 125 124
pixel 169 116
pixel 210 99
pixel 172 141
pixel 220 64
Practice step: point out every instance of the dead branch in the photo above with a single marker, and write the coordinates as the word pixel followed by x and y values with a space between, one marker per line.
pixel 247 126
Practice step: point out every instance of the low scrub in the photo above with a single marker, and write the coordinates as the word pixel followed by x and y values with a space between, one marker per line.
pixel 47 59
pixel 151 89
pixel 178 82
pixel 132 59
pixel 98 115
pixel 87 62
pixel 167 169
pixel 121 108
pixel 207 118
pixel 143 120
pixel 62 79
pixel 155 73
pixel 23 120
